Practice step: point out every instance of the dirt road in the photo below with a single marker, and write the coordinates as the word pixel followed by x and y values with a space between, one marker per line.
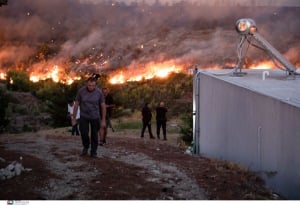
pixel 127 168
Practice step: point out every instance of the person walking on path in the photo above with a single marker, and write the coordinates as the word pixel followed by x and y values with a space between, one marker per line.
pixel 109 102
pixel 76 122
pixel 91 100
pixel 161 120
pixel 146 118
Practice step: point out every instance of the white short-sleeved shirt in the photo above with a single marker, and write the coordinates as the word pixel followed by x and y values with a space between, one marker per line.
pixel 70 110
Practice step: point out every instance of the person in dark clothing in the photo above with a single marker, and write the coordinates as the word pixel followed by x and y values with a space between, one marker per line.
pixel 147 116
pixel 161 120
pixel 91 100
pixel 109 102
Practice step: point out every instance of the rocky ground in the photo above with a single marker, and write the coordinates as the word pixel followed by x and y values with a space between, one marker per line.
pixel 128 168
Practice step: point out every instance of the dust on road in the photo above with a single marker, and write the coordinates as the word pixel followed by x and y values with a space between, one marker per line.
pixel 128 168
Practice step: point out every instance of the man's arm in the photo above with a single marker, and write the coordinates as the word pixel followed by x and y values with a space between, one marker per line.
pixel 75 110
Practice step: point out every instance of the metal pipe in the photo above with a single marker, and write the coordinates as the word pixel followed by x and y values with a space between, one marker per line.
pixel 275 53
pixel 196 111
pixel 247 27
pixel 264 74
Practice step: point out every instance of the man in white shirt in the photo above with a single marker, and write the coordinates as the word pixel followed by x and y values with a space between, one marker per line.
pixel 76 122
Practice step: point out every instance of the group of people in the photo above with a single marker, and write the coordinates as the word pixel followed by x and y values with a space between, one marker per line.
pixel 161 120
pixel 94 107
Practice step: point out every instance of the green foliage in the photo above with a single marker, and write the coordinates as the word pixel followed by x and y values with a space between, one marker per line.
pixel 21 109
pixel 18 81
pixel 4 99
pixel 176 92
pixel 27 128
pixel 133 95
pixel 186 127
pixel 56 96
pixel 129 125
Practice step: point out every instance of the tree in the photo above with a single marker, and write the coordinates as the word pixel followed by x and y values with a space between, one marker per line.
pixel 18 81
pixel 55 97
pixel 3 105
pixel 3 2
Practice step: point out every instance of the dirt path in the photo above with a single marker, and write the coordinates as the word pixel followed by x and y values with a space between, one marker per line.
pixel 73 173
pixel 127 168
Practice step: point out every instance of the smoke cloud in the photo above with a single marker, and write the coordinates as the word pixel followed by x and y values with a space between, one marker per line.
pixel 102 36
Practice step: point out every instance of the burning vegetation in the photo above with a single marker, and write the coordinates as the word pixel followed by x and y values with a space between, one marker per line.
pixel 66 40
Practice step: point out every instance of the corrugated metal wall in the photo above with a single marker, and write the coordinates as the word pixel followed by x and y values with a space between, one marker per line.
pixel 257 131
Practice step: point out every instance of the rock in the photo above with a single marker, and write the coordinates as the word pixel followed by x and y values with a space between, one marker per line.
pixel 8 174
pixel 12 170
pixel 2 177
pixel 10 167
pixel 18 169
pixel 27 169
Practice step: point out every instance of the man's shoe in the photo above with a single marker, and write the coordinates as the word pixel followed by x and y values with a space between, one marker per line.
pixel 84 152
pixel 94 156
pixel 165 139
pixel 152 137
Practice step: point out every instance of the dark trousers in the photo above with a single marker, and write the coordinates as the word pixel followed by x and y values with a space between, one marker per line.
pixel 163 124
pixel 85 124
pixel 147 124
pixel 75 129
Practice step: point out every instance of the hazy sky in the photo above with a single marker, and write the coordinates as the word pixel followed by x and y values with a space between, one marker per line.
pixel 219 2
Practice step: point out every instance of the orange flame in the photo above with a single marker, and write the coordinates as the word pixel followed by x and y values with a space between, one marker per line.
pixel 118 78
pixel 263 65
pixel 56 74
pixel 134 72
pixel 163 70
pixel 149 71
pixel 2 76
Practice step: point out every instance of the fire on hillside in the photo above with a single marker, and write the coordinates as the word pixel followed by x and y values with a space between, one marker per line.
pixel 47 41
pixel 141 72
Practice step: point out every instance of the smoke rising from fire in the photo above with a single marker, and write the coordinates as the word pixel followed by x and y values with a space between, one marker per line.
pixel 106 36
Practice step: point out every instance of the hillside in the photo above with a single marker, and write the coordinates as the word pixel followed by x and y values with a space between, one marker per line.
pixel 26 113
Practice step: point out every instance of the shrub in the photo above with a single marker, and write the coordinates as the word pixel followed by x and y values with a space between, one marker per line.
pixel 4 99
pixel 129 125
pixel 186 127
pixel 18 81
